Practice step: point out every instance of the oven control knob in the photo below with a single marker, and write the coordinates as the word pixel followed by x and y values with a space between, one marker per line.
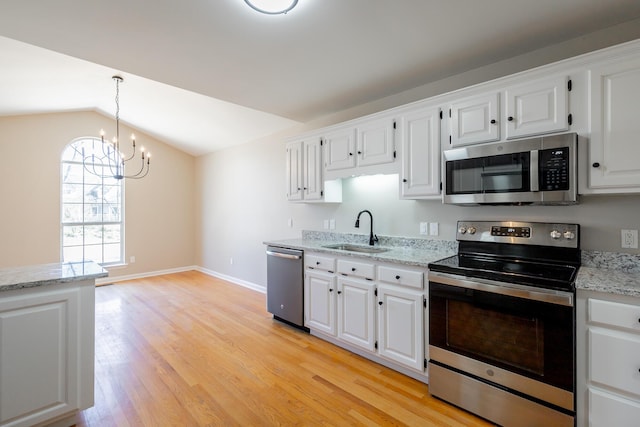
pixel 555 234
pixel 569 235
pixel 462 229
pixel 471 230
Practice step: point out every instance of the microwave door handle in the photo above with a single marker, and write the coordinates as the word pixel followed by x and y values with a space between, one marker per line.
pixel 533 171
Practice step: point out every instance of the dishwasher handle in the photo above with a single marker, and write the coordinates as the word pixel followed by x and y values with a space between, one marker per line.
pixel 283 255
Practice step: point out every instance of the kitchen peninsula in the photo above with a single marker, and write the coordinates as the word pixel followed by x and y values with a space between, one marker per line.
pixel 47 333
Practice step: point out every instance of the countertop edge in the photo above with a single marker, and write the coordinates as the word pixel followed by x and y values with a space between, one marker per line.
pixel 49 274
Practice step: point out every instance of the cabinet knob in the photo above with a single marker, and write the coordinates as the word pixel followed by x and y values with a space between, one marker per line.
pixel 353 269
pixel 397 277
pixel 596 165
pixel 351 154
pixel 510 118
pixel 404 180
pixel 493 121
pixel 304 188
pixel 339 292
pixel 298 188
pixel 379 302
pixel 330 290
pixel 359 152
pixel 317 262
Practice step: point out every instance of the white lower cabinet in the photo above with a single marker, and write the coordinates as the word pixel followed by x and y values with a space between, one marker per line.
pixel 608 366
pixel 375 310
pixel 46 353
pixel 320 301
pixel 400 324
pixel 356 312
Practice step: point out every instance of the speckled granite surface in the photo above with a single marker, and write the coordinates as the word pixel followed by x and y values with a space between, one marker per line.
pixel 48 274
pixel 401 250
pixel 611 272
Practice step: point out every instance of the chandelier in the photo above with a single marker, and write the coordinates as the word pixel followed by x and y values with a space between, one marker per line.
pixel 272 7
pixel 111 164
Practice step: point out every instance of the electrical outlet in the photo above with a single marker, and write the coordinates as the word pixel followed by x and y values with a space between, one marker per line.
pixel 230 261
pixel 132 259
pixel 629 239
pixel 434 229
pixel 424 228
pixel 332 224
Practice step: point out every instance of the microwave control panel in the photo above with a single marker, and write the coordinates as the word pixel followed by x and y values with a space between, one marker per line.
pixel 553 167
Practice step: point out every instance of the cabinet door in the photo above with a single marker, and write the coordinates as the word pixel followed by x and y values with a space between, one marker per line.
pixel 400 323
pixel 312 169
pixel 614 150
pixel 356 311
pixel 39 356
pixel 375 142
pixel 340 147
pixel 538 107
pixel 294 171
pixel 475 120
pixel 420 132
pixel 320 302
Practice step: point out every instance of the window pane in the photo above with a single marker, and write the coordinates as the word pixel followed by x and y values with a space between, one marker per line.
pixel 72 193
pixel 112 253
pixel 112 233
pixel 111 194
pixel 93 253
pixel 93 234
pixel 72 235
pixel 72 254
pixel 72 212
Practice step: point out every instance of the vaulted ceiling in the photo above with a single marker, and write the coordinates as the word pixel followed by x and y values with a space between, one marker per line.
pixel 208 74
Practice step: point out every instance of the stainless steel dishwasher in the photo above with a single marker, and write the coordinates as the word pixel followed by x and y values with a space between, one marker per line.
pixel 285 285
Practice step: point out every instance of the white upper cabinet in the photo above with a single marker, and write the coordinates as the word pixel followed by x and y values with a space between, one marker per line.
pixel 304 178
pixel 340 149
pixel 538 107
pixel 375 142
pixel 531 108
pixel 420 135
pixel 364 147
pixel 475 120
pixel 615 126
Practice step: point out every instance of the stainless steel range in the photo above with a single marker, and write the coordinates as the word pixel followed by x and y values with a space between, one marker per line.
pixel 502 322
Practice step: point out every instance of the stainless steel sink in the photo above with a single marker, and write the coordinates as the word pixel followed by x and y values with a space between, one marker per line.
pixel 356 248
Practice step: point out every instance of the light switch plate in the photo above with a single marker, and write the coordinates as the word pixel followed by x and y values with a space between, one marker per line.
pixel 424 228
pixel 326 224
pixel 332 224
pixel 434 229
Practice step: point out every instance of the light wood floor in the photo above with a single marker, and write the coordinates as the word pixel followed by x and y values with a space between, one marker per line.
pixel 190 350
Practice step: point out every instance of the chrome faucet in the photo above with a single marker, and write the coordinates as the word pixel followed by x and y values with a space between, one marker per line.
pixel 372 237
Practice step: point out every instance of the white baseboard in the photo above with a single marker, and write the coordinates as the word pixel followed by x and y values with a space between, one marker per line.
pixel 232 279
pixel 212 273
pixel 144 275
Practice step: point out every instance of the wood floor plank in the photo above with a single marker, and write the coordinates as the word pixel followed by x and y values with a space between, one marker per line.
pixel 187 349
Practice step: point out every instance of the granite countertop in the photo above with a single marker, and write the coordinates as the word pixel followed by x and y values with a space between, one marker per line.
pixel 401 250
pixel 608 272
pixel 48 274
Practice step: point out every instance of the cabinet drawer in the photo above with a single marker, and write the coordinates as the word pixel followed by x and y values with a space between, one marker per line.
pixel 609 410
pixel 625 316
pixel 356 269
pixel 615 360
pixel 318 262
pixel 401 276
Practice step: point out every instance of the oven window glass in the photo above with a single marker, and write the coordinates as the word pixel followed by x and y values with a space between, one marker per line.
pixel 495 174
pixel 502 337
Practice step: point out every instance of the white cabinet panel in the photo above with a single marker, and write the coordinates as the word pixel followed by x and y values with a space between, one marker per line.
pixel 615 360
pixel 420 130
pixel 375 142
pixel 607 410
pixel 320 302
pixel 304 170
pixel 400 323
pixel 294 171
pixel 401 276
pixel 537 108
pixel 475 120
pixel 357 269
pixel 614 148
pixel 340 149
pixel 356 312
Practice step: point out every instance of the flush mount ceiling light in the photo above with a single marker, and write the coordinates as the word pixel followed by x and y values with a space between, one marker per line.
pixel 272 7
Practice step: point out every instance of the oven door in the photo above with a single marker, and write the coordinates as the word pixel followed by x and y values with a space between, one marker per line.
pixel 517 337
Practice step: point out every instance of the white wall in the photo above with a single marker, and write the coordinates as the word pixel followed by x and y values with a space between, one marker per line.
pixel 241 191
pixel 159 209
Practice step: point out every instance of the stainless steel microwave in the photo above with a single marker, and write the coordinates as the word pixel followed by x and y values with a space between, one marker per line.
pixel 537 171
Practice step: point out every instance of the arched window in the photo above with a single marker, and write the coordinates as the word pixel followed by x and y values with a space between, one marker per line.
pixel 92 225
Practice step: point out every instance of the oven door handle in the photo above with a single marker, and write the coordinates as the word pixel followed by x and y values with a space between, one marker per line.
pixel 514 290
